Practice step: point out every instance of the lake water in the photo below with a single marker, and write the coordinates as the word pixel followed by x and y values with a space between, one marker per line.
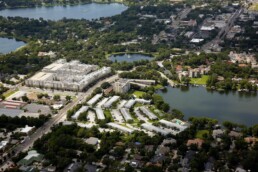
pixel 9 45
pixel 129 57
pixel 237 107
pixel 86 11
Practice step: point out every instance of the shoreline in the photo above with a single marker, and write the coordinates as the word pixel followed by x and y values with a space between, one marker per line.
pixel 68 4
pixel 123 53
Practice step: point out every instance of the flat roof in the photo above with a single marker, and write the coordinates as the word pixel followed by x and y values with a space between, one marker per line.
pixel 10 112
pixel 26 129
pixel 100 113
pixel 94 99
pixel 81 110
pixel 120 127
pixel 151 127
pixel 126 114
pixel 54 66
pixel 41 76
pixel 38 108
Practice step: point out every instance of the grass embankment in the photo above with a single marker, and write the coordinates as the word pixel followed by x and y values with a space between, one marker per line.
pixel 200 81
pixel 9 93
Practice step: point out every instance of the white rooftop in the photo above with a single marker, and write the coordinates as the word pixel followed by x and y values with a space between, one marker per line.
pixel 26 129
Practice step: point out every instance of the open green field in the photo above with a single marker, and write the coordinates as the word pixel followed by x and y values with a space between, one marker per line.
pixel 200 81
pixel 200 134
pixel 254 7
pixel 138 94
pixel 9 93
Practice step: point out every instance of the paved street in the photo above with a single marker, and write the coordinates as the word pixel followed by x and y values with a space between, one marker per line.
pixel 61 116
pixel 223 32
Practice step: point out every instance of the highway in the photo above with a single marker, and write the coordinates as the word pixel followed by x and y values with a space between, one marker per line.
pixel 61 116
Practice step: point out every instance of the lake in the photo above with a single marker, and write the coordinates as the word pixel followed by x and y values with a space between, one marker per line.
pixel 237 107
pixel 129 57
pixel 85 11
pixel 8 45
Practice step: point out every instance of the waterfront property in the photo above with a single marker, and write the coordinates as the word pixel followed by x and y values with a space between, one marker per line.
pixel 174 124
pixel 148 113
pixel 153 128
pixel 198 102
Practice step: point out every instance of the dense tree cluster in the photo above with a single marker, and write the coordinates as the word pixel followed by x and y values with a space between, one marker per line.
pixel 222 156
pixel 149 71
pixel 61 153
pixel 195 60
pixel 11 124
pixel 19 63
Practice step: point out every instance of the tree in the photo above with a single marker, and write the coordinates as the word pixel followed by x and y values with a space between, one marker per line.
pixel 25 98
pixel 105 85
pixel 68 98
pixel 255 130
pixel 56 97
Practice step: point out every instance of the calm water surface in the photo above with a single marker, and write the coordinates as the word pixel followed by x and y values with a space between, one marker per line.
pixel 198 102
pixel 86 11
pixel 129 57
pixel 9 45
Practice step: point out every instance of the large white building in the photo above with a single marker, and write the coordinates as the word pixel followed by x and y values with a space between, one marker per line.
pixel 121 86
pixel 110 102
pixel 120 127
pixel 148 113
pixel 126 114
pixel 150 127
pixel 63 75
pixel 94 99
pixel 81 110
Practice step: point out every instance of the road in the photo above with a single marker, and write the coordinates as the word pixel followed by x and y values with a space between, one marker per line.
pixel 61 116
pixel 171 83
pixel 223 32
pixel 180 16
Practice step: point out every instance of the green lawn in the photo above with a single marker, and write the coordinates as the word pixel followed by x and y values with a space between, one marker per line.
pixel 138 94
pixel 158 86
pixel 9 93
pixel 200 81
pixel 200 134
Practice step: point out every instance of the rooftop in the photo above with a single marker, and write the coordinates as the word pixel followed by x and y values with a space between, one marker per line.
pixel 92 141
